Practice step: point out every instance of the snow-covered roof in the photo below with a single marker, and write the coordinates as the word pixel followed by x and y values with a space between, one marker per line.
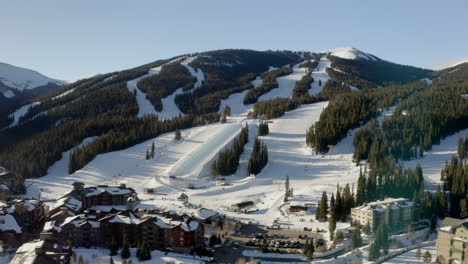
pixel 67 201
pixel 108 208
pixel 389 203
pixel 30 246
pixel 92 191
pixel 3 171
pixel 8 223
pixel 131 219
pixel 50 226
pixel 190 226
pixel 204 213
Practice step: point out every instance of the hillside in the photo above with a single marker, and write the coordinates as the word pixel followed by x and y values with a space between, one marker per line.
pixel 121 109
pixel 19 84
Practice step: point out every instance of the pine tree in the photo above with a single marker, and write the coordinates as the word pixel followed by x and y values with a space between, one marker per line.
pixel 147 154
pixel 356 240
pixel 332 222
pixel 461 148
pixel 177 135
pixel 152 150
pixel 113 247
pixel 367 229
pixel 125 252
pixel 361 189
pixel 339 212
pixel 418 254
pixel 323 213
pixel 309 249
pixel 227 111
pixel 427 257
pixel 286 188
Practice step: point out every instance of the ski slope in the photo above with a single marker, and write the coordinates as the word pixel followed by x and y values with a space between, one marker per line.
pixel 434 160
pixel 57 177
pixel 170 108
pixel 145 107
pixel 236 101
pixel 320 75
pixel 20 112
pixel 197 74
pixel 285 84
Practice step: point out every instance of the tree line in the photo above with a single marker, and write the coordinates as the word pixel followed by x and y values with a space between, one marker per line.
pixel 259 157
pixel 427 117
pixel 134 131
pixel 455 178
pixel 350 110
pixel 228 159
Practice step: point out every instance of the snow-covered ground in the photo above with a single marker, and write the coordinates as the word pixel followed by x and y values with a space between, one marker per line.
pixel 197 74
pixel 170 108
pixel 320 75
pixel 236 101
pixel 57 177
pixel 101 256
pixel 23 79
pixel 434 160
pixel 349 53
pixel 145 107
pixel 285 84
pixel 21 112
pixel 189 160
pixel 410 256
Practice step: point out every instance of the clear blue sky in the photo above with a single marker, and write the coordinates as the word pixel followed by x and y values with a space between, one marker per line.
pixel 73 39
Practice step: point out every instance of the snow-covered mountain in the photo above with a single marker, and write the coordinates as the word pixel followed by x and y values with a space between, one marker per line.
pixel 349 53
pixel 16 80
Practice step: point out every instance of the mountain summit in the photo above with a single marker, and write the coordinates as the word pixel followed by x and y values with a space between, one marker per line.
pixel 16 80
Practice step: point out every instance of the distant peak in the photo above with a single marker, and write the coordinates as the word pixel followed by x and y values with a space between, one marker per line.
pixel 349 53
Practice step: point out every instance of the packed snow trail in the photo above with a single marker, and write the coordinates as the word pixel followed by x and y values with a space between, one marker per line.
pixel 20 112
pixel 197 74
pixel 236 101
pixel 320 75
pixel 434 160
pixel 285 84
pixel 170 108
pixel 145 107
pixel 190 165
